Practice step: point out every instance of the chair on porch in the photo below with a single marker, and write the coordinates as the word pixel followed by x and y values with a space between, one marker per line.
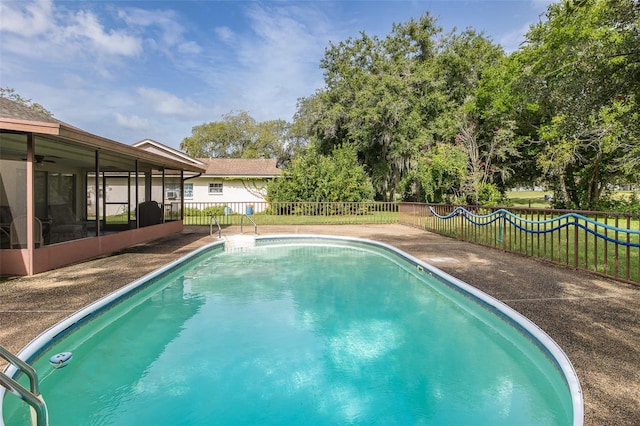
pixel 149 213
pixel 64 224
pixel 19 231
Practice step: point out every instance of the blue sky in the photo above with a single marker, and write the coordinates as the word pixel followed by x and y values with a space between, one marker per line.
pixel 129 70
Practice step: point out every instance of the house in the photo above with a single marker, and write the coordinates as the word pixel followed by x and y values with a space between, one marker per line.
pixel 238 184
pixel 67 195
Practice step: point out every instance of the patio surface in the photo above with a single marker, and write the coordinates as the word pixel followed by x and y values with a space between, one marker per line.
pixel 596 321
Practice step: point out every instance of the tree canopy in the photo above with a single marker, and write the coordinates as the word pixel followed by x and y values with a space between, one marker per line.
pixel 561 111
pixel 316 177
pixel 395 99
pixel 581 71
pixel 240 136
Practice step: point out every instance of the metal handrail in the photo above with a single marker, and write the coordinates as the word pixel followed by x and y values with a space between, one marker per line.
pixel 255 227
pixel 32 396
pixel 214 218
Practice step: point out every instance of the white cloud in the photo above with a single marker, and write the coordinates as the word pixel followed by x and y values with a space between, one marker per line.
pixel 167 104
pixel 225 33
pixel 131 122
pixel 33 19
pixel 190 48
pixel 265 70
pixel 512 40
pixel 86 28
pixel 129 70
pixel 38 30
pixel 169 32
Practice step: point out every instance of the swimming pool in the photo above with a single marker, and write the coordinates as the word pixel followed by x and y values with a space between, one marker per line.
pixel 301 330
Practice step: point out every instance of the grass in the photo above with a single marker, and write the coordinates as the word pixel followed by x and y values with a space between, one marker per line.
pixel 271 219
pixel 530 199
pixel 535 199
pixel 570 245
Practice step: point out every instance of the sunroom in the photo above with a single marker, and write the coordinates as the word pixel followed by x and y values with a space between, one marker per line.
pixel 67 195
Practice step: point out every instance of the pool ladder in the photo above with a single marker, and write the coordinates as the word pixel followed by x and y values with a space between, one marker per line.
pixel 214 219
pixel 255 227
pixel 31 396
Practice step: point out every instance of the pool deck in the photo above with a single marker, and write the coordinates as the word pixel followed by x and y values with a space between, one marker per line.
pixel 596 321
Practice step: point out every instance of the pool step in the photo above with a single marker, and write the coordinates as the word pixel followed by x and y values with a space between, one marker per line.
pixel 239 242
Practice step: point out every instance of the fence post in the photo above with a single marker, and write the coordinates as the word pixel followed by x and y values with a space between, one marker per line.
pixel 575 242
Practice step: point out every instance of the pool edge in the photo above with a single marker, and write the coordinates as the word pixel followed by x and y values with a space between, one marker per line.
pixel 46 338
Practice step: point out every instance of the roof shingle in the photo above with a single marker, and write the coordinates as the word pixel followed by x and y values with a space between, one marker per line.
pixel 244 167
pixel 18 111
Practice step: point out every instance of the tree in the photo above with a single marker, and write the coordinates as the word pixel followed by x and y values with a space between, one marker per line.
pixel 488 143
pixel 316 177
pixel 229 138
pixel 487 153
pixel 439 176
pixel 395 98
pixel 581 71
pixel 378 99
pixel 240 136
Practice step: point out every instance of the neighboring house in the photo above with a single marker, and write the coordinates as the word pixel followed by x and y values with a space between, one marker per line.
pixel 233 182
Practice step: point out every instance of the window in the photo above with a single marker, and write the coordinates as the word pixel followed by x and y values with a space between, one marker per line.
pixel 172 190
pixel 215 188
pixel 188 190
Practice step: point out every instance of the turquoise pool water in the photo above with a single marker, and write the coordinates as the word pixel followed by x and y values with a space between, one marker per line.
pixel 299 332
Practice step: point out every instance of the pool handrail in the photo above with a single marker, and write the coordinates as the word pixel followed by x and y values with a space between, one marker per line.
pixel 255 227
pixel 31 396
pixel 214 218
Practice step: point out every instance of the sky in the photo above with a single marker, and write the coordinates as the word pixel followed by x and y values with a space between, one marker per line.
pixel 131 70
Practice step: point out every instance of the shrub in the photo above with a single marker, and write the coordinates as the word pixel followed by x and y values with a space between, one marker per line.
pixel 215 210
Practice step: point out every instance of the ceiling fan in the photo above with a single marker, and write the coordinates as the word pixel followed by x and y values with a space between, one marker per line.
pixel 39 159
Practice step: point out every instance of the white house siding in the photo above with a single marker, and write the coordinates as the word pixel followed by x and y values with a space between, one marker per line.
pixel 236 193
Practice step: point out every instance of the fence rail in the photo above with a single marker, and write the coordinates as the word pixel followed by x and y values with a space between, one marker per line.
pixel 604 243
pixel 292 213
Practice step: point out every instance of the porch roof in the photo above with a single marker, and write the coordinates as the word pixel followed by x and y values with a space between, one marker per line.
pixel 17 117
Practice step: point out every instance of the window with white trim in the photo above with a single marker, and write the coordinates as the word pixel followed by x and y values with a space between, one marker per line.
pixel 215 188
pixel 188 190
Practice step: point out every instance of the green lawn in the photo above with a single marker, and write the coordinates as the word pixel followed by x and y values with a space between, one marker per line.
pixel 533 199
pixel 293 219
pixel 569 245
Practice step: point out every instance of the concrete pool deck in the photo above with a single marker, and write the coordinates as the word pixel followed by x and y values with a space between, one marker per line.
pixel 596 321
